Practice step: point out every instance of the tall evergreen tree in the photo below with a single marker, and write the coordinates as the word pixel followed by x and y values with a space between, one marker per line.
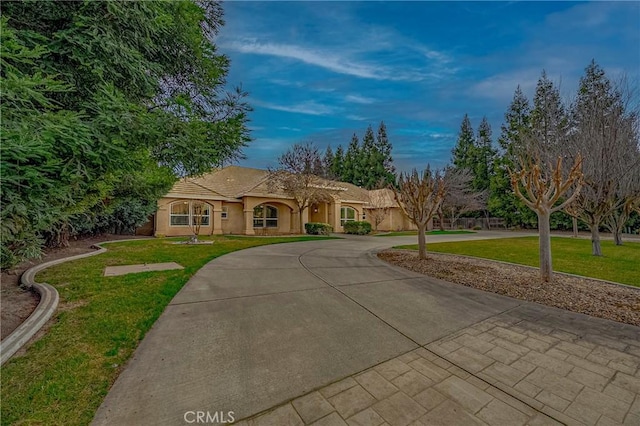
pixel 327 163
pixel 516 124
pixel 387 173
pixel 463 152
pixel 337 164
pixel 484 156
pixel 350 167
pixel 367 162
pixel 502 201
pixel 548 130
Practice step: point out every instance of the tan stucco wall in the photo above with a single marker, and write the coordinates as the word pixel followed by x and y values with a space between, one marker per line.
pixel 337 227
pixel 238 216
pixel 287 214
pixel 395 220
pixel 234 223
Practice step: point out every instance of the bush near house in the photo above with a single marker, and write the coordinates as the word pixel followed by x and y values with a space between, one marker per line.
pixel 318 228
pixel 358 228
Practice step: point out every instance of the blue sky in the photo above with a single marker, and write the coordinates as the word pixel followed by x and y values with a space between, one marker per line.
pixel 321 71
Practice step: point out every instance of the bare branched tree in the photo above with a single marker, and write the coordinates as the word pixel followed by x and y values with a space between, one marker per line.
pixel 297 175
pixel 420 197
pixel 604 127
pixel 380 206
pixel 627 202
pixel 198 210
pixel 541 186
pixel 460 197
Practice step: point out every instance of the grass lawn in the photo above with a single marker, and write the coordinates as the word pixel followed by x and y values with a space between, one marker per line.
pixel 436 232
pixel 619 263
pixel 64 376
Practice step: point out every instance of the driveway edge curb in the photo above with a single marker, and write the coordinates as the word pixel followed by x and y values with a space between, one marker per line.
pixel 47 306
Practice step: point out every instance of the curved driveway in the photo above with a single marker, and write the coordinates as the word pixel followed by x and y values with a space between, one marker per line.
pixel 255 328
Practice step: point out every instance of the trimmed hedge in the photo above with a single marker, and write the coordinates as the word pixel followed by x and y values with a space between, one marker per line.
pixel 317 228
pixel 358 228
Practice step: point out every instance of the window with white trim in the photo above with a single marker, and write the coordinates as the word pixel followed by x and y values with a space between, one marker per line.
pixel 185 213
pixel 347 214
pixel 265 216
pixel 200 212
pixel 225 212
pixel 179 214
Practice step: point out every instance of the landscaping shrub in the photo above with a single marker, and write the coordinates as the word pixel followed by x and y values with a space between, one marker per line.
pixel 358 228
pixel 318 228
pixel 477 228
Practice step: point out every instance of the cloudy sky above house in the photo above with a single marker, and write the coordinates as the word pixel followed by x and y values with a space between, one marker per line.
pixel 320 71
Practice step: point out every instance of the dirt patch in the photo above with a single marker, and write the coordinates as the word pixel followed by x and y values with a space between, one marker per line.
pixel 583 295
pixel 16 304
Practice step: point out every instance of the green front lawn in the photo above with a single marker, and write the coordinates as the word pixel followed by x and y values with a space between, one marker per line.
pixel 64 376
pixel 571 255
pixel 436 232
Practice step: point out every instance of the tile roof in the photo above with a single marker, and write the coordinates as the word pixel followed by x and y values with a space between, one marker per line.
pixel 382 198
pixel 234 182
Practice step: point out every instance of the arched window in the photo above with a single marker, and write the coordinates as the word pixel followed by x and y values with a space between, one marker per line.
pixel 185 213
pixel 265 216
pixel 347 214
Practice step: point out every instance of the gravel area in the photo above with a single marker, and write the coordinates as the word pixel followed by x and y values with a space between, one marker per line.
pixel 583 295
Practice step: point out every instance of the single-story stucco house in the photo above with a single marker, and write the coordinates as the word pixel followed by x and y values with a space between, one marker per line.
pixel 237 200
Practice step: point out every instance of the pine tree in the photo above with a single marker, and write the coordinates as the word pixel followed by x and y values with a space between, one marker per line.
pixel 502 201
pixel 337 164
pixel 463 152
pixel 367 161
pixel 388 173
pixel 327 163
pixel 517 122
pixel 548 119
pixel 484 155
pixel 350 171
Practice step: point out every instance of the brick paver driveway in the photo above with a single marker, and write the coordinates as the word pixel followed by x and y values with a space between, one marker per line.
pixel 324 333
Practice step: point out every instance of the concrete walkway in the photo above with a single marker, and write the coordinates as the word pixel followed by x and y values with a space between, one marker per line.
pixel 324 332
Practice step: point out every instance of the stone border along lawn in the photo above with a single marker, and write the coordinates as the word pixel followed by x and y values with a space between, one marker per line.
pixel 574 293
pixel 64 376
pixel 571 255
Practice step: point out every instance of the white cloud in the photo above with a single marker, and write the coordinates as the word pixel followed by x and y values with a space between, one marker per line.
pixel 331 61
pixel 502 86
pixel 309 108
pixel 359 99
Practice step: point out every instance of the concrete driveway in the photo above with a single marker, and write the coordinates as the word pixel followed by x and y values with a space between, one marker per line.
pixel 257 328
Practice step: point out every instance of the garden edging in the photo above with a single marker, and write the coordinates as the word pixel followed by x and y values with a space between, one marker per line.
pixel 47 306
pixel 526 266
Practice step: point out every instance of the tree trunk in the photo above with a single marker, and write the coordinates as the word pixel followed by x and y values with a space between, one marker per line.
pixel 544 237
pixel 441 219
pixel 574 221
pixel 617 236
pixel 596 249
pixel 422 241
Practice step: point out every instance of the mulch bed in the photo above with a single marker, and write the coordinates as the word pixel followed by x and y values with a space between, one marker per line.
pixel 582 295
